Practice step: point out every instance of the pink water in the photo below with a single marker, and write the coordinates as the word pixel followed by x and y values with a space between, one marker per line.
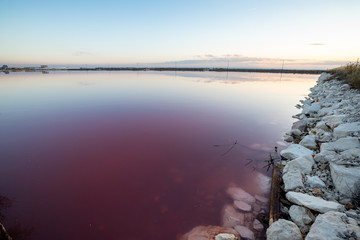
pixel 132 155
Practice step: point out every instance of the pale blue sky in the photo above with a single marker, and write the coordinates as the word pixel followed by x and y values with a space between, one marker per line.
pixel 208 33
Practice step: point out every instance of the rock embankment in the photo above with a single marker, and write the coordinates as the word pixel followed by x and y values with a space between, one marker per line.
pixel 321 176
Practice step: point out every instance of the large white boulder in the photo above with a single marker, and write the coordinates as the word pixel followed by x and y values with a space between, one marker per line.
pixel 283 230
pixel 237 193
pixel 292 180
pixel 341 144
pixel 311 202
pixel 295 151
pixel 346 129
pixel 303 164
pixel 326 156
pixel 344 178
pixel 333 226
pixel 350 154
pixel 323 136
pixel 315 181
pixel 309 142
pixel 311 109
pixel 302 217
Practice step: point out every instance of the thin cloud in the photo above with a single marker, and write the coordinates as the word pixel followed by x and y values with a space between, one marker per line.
pixel 317 44
pixel 241 61
pixel 81 53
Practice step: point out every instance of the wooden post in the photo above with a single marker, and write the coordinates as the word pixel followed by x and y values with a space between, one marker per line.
pixel 274 209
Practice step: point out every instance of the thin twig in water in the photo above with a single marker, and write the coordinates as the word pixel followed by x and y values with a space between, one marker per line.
pixel 249 161
pixel 229 149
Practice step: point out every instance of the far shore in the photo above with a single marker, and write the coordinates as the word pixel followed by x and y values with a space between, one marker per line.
pixel 172 69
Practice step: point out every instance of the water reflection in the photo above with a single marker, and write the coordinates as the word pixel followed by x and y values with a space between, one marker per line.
pixel 132 155
pixel 15 229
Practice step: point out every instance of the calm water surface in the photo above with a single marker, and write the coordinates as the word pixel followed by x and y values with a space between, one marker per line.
pixel 131 155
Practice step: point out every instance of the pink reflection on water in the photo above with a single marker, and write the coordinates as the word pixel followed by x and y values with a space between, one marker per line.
pixel 132 157
pixel 143 177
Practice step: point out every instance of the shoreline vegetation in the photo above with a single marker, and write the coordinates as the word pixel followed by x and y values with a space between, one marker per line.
pixel 350 73
pixel 45 69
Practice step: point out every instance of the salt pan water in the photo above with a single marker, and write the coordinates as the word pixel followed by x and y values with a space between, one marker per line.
pixel 135 155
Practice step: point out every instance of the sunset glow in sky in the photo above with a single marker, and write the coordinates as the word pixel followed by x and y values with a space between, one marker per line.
pixel 182 33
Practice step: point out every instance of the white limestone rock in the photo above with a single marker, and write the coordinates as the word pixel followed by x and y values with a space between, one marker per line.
pixel 341 144
pixel 295 151
pixel 244 232
pixel 231 217
pixel 315 181
pixel 323 136
pixel 326 156
pixel 334 120
pixel 311 202
pixel 303 164
pixel 333 226
pixel 302 217
pixel 292 180
pixel 295 132
pixel 243 206
pixel 237 193
pixel 350 154
pixel 311 109
pixel 345 87
pixel 324 111
pixel 301 125
pixel 309 142
pixel 344 178
pixel 323 126
pixel 324 77
pixel 283 230
pixel 225 236
pixel 346 129
pixel 288 138
pixel 210 232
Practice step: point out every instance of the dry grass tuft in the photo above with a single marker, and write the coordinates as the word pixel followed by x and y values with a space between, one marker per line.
pixel 350 72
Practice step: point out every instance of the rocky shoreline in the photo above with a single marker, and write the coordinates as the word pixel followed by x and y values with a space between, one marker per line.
pixel 321 173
